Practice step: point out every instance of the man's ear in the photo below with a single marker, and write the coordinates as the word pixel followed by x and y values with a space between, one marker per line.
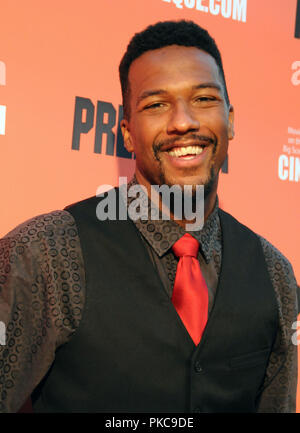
pixel 231 123
pixel 126 135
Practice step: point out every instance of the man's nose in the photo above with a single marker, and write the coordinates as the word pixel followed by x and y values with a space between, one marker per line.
pixel 182 120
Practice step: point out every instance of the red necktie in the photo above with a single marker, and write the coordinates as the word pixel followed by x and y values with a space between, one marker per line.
pixel 190 295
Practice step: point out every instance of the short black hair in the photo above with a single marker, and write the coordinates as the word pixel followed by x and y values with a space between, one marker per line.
pixel 162 34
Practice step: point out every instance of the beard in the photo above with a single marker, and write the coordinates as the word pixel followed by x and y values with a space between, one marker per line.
pixel 208 182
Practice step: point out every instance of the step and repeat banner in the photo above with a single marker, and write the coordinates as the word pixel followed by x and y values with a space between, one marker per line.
pixel 60 105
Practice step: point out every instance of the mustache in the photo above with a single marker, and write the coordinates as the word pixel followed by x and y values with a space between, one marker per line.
pixel 157 146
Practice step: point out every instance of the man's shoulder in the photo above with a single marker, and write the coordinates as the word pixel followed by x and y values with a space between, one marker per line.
pixel 46 234
pixel 273 255
pixel 47 241
pixel 227 217
pixel 82 204
pixel 281 273
pixel 279 267
pixel 59 223
pixel 40 225
pixel 59 219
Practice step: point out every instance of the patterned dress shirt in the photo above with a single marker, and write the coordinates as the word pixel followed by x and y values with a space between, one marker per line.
pixel 42 297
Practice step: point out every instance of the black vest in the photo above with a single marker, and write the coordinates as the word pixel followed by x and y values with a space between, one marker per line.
pixel 131 352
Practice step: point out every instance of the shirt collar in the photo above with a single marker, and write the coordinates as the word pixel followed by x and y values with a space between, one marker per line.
pixel 162 234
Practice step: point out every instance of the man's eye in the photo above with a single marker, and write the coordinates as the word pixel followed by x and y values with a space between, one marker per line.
pixel 154 106
pixel 205 98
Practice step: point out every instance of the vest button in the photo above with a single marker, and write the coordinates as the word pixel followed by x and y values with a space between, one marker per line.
pixel 197 366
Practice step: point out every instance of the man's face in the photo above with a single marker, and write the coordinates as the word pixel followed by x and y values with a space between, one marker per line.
pixel 179 123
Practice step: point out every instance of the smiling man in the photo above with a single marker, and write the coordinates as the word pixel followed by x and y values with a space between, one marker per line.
pixel 140 315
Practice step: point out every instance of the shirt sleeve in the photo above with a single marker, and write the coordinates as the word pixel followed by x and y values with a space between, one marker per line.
pixel 41 301
pixel 280 385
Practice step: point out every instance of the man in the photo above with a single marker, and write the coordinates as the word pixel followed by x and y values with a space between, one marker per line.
pixel 92 311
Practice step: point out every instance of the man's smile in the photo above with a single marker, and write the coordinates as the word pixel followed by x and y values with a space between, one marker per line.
pixel 186 156
pixel 185 153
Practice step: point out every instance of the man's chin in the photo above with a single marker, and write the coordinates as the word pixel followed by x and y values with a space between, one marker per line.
pixel 194 181
pixel 188 184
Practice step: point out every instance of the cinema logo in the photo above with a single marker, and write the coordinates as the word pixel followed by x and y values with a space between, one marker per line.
pixel 289 160
pixel 2 107
pixel 234 9
pixel 103 119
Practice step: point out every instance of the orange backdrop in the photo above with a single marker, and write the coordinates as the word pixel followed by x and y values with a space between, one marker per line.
pixel 53 52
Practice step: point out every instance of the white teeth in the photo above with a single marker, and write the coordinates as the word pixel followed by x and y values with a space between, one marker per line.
pixel 189 150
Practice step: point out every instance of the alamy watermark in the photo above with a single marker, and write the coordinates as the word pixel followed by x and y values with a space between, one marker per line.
pixel 296 335
pixel 2 334
pixel 164 203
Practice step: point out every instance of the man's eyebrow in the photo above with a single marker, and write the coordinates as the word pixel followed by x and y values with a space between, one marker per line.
pixel 155 92
pixel 211 85
pixel 149 93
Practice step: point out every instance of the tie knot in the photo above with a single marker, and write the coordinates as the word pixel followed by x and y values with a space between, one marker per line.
pixel 186 246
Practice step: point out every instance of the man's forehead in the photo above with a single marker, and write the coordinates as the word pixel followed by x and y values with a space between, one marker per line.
pixel 170 63
pixel 177 53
